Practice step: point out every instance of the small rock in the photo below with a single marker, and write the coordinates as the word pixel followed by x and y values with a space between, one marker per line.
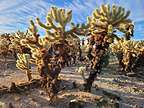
pixel 75 104
pixel 10 105
pixel 13 87
pixel 2 105
pixel 74 84
pixel 131 74
pixel 42 93
pixel 96 87
pixel 136 106
pixel 136 89
pixel 17 98
pixel 32 99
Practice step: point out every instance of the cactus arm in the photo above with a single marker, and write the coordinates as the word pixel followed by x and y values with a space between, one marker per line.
pixel 42 25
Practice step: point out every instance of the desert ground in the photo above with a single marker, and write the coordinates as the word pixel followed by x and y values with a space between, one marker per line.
pixel 129 89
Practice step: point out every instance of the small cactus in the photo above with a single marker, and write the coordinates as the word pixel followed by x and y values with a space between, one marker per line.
pixel 23 64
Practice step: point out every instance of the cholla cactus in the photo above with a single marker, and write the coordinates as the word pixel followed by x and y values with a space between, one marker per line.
pixel 130 51
pixel 56 23
pixel 130 54
pixel 55 27
pixel 127 45
pixel 4 44
pixel 103 24
pixel 117 47
pixel 56 32
pixel 15 38
pixel 140 46
pixel 22 63
pixel 57 20
pixel 4 47
pixel 38 46
pixel 108 20
pixel 40 56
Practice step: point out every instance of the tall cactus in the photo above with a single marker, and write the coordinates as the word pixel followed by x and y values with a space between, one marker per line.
pixel 40 56
pixel 103 24
pixel 57 36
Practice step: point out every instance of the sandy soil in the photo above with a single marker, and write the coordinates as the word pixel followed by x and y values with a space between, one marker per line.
pixel 131 90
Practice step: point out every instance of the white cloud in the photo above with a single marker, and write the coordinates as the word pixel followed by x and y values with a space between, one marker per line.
pixel 19 12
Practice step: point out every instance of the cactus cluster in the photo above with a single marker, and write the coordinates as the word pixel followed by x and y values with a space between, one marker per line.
pixel 117 47
pixel 56 33
pixel 58 42
pixel 56 22
pixel 4 45
pixel 15 39
pixel 129 50
pixel 127 45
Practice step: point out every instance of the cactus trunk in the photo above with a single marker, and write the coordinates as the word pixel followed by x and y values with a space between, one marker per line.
pixel 29 75
pixel 130 60
pixel 120 58
pixel 96 64
pixel 95 69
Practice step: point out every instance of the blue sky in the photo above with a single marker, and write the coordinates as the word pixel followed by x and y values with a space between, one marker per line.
pixel 15 14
